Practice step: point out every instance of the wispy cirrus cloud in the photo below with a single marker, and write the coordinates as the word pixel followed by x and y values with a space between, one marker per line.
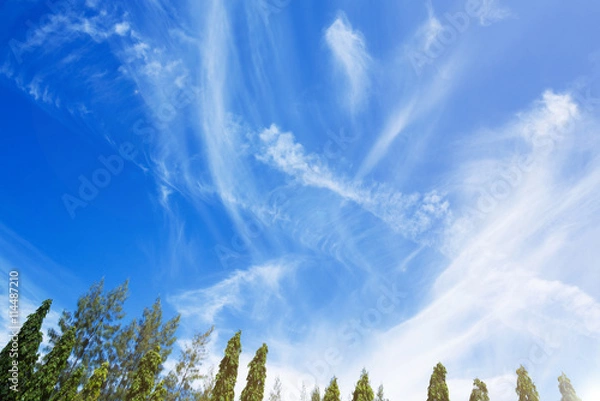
pixel 349 49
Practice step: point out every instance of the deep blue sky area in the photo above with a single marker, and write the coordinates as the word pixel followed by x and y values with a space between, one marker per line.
pixel 399 181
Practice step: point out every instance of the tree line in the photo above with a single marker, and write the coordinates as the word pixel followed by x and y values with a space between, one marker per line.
pixel 94 356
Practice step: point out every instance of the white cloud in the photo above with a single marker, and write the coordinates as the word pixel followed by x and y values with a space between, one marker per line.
pixel 350 53
pixel 411 215
pixel 122 28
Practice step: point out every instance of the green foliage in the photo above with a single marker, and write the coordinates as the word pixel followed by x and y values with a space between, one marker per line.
pixel 96 321
pixel 525 388
pixel 159 393
pixel 225 381
pixel 315 395
pixel 257 374
pixel 46 377
pixel 438 389
pixel 479 392
pixel 143 384
pixel 380 396
pixel 332 392
pixel 29 338
pixel 91 390
pixel 68 391
pixel 179 383
pixel 363 390
pixel 566 389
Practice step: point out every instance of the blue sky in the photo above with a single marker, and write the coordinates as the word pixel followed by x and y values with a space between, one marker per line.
pixel 383 185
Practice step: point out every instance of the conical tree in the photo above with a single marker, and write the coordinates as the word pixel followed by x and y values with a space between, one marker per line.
pixel 566 389
pixel 479 392
pixel 228 368
pixel 438 389
pixel 28 341
pixel 257 374
pixel 363 390
pixel 525 388
pixel 68 390
pixel 315 395
pixel 143 383
pixel 44 380
pixel 91 390
pixel 332 392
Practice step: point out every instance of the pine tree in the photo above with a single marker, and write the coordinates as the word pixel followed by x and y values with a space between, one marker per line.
pixel 479 392
pixel 68 391
pixel 29 339
pixel 566 389
pixel 91 390
pixel 257 374
pixel 380 396
pixel 135 341
pixel 315 395
pixel 275 394
pixel 228 368
pixel 96 321
pixel 363 390
pixel 143 383
pixel 525 388
pixel 179 383
pixel 438 389
pixel 45 379
pixel 332 392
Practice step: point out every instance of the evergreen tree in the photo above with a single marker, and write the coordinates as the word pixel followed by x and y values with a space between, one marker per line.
pixel 179 383
pixel 380 396
pixel 159 393
pixel 68 391
pixel 332 392
pixel 479 392
pixel 44 380
pixel 363 390
pixel 29 338
pixel 91 390
pixel 315 395
pixel 438 389
pixel 96 321
pixel 257 374
pixel 228 368
pixel 566 389
pixel 143 383
pixel 135 341
pixel 275 394
pixel 525 388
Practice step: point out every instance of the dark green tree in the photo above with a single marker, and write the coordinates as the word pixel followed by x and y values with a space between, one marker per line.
pixel 143 380
pixel 228 368
pixel 363 390
pixel 315 395
pixel 257 374
pixel 45 379
pixel 332 392
pixel 566 389
pixel 525 388
pixel 91 390
pixel 479 392
pixel 179 383
pixel 380 396
pixel 28 342
pixel 438 389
